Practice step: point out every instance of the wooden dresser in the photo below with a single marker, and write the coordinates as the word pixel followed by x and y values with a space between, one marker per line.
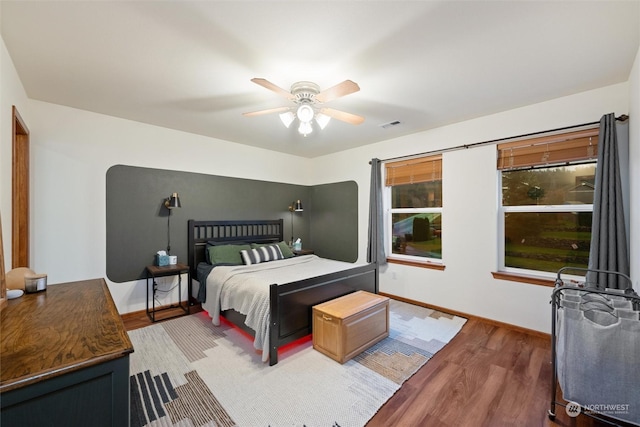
pixel 64 358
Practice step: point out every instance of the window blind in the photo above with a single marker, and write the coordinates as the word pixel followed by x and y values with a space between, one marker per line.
pixel 412 171
pixel 549 150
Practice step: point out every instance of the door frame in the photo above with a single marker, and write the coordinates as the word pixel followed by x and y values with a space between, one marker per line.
pixel 19 192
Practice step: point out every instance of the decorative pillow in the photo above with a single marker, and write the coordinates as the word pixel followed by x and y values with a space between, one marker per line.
pixel 284 248
pixel 227 254
pixel 226 243
pixel 261 254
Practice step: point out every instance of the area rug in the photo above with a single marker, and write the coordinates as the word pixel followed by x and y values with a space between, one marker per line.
pixel 187 372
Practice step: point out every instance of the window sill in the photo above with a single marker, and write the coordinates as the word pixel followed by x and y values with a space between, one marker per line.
pixel 534 280
pixel 429 265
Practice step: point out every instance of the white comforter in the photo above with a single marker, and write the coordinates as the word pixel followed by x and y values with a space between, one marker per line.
pixel 245 288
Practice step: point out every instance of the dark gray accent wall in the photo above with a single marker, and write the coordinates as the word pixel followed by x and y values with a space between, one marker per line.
pixel 136 218
pixel 334 233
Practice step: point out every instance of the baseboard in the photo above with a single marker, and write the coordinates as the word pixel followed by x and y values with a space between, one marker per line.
pixel 470 316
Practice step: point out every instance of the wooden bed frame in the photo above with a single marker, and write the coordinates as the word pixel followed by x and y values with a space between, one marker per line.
pixel 290 304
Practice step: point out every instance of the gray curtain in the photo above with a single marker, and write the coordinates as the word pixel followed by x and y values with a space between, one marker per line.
pixel 609 243
pixel 375 247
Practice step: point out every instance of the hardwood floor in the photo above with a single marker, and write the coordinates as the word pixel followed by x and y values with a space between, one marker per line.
pixel 487 375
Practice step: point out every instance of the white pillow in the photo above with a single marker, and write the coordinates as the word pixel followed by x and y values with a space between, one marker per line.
pixel 261 254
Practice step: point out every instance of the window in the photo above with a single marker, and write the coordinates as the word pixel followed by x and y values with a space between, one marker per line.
pixel 547 202
pixel 413 196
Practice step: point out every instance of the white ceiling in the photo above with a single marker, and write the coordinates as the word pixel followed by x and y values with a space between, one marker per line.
pixel 187 65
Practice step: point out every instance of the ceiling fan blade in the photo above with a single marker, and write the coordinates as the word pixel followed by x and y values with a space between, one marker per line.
pixel 277 89
pixel 342 116
pixel 269 111
pixel 342 89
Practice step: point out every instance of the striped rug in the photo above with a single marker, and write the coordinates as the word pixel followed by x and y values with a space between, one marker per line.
pixel 186 372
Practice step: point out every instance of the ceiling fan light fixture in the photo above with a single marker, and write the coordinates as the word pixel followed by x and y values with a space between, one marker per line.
pixel 305 113
pixel 308 96
pixel 287 118
pixel 322 120
pixel 305 128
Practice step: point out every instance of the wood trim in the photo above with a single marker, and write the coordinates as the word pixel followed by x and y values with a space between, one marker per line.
pixel 3 281
pixel 20 192
pixel 517 328
pixel 429 265
pixel 533 280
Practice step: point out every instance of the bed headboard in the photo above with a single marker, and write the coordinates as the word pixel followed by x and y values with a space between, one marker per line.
pixel 201 232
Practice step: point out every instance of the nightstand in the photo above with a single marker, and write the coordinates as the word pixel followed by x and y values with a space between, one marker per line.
pixel 153 272
pixel 303 252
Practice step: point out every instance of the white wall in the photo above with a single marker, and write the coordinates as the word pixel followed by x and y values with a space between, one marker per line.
pixel 71 153
pixel 72 150
pixel 470 198
pixel 11 93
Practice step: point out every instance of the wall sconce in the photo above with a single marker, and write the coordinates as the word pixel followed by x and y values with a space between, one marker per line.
pixel 170 203
pixel 295 207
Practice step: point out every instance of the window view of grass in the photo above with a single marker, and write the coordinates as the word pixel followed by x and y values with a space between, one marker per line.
pixel 548 241
pixel 417 235
pixel 558 240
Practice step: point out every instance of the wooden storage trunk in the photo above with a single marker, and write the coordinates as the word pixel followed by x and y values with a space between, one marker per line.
pixel 346 326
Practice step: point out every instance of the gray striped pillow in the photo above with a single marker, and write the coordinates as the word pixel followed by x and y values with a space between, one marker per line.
pixel 261 254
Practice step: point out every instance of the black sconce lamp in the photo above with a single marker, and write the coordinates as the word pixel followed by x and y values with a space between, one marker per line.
pixel 170 203
pixel 295 207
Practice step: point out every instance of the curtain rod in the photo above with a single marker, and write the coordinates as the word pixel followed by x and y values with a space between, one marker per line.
pixel 621 118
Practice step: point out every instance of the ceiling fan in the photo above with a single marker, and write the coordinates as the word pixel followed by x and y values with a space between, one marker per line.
pixel 308 98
